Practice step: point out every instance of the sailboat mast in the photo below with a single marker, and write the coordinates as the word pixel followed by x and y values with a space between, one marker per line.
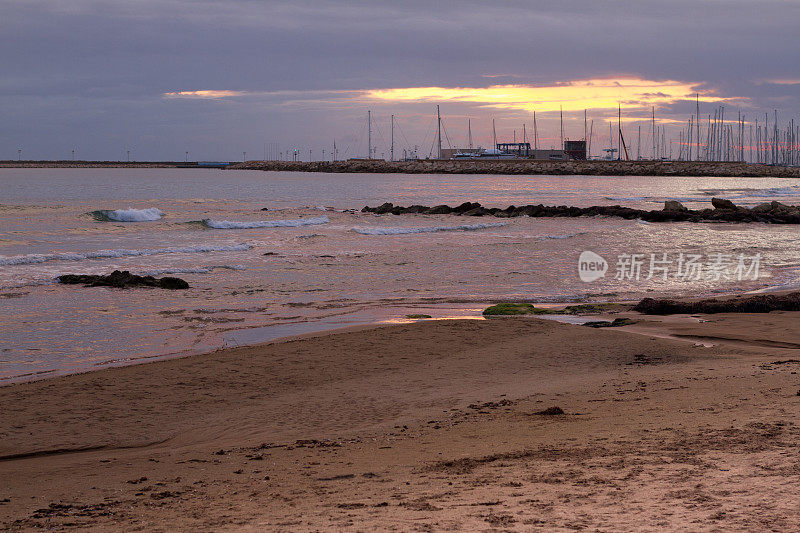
pixel 584 127
pixel 619 131
pixel 391 151
pixel 439 130
pixel 535 133
pixel 469 129
pixel 698 126
pixel 369 134
pixel 562 127
pixel 494 134
pixel 639 144
pixel 654 132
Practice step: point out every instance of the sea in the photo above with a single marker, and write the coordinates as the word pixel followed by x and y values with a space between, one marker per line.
pixel 276 254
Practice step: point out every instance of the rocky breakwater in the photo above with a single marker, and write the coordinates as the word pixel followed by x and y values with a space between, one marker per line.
pixel 760 303
pixel 721 211
pixel 528 167
pixel 122 280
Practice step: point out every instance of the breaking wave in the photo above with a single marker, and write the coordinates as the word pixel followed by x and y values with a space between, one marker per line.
pixel 127 215
pixel 429 229
pixel 292 223
pixel 105 254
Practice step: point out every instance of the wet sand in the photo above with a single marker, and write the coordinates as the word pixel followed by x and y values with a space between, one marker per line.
pixel 673 422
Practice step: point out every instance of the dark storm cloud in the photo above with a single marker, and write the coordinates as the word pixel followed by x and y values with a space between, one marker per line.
pixel 93 72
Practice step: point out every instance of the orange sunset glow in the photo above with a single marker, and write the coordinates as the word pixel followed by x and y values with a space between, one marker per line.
pixel 577 95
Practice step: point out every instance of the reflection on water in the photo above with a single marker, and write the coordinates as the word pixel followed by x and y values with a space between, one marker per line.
pixel 259 279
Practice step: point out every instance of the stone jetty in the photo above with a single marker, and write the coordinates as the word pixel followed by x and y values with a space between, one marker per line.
pixel 529 167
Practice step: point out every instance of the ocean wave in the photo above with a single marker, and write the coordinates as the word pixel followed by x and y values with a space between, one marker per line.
pixel 626 198
pixel 292 223
pixel 768 193
pixel 428 229
pixel 559 237
pixel 127 215
pixel 197 270
pixel 31 259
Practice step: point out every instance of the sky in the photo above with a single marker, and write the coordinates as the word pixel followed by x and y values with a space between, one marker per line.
pixel 160 78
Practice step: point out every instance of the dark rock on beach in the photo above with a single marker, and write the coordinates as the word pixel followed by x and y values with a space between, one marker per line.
pixel 674 205
pixel 761 303
pixel 673 211
pixel 122 280
pixel 616 323
pixel 720 203
pixel 551 411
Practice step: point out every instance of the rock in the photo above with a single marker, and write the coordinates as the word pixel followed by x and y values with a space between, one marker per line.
pixel 720 203
pixel 762 208
pixel 760 303
pixel 477 212
pixel 383 209
pixel 466 206
pixel 674 205
pixel 439 210
pixel 172 283
pixel 673 211
pixel 606 324
pixel 122 279
pixel 551 411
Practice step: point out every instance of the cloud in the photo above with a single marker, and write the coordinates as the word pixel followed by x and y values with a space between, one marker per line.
pixel 575 95
pixel 783 81
pixel 204 94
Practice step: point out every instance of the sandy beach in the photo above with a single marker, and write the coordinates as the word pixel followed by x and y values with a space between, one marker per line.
pixel 673 422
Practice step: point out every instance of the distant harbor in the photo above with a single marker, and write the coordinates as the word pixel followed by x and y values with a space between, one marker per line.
pixel 113 164
pixel 533 167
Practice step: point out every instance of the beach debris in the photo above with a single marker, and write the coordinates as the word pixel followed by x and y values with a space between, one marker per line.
pixel 551 411
pixel 490 405
pixel 122 280
pixel 760 303
pixel 420 504
pixel 617 322
pixel 337 478
pixel 673 211
pixel 642 359
pixel 354 505
pixel 314 443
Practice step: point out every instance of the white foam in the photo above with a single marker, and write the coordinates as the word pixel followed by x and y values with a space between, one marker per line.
pixel 105 254
pixel 292 223
pixel 426 229
pixel 133 215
